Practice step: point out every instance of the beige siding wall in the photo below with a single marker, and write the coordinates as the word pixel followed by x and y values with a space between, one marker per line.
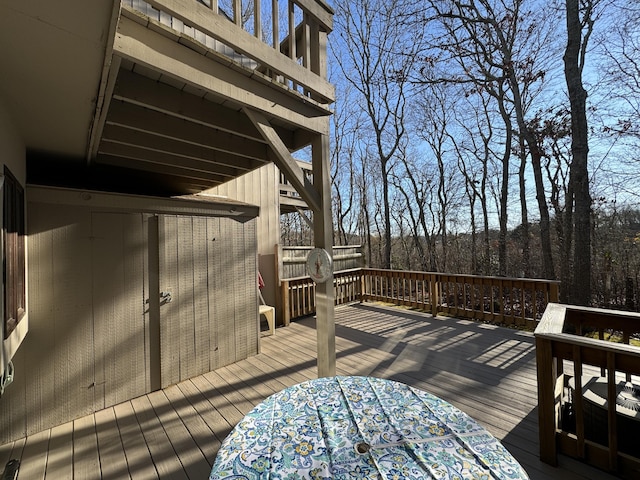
pixel 91 340
pixel 86 346
pixel 120 317
pixel 261 187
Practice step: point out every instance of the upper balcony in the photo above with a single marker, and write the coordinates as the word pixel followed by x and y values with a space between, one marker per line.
pixel 290 199
pixel 281 42
pixel 162 96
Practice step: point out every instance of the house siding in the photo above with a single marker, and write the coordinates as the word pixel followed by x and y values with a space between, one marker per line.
pixel 261 187
pixel 91 339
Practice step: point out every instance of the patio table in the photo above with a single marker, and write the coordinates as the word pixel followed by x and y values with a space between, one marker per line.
pixel 360 428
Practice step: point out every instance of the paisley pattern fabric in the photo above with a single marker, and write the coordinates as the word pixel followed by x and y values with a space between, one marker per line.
pixel 360 428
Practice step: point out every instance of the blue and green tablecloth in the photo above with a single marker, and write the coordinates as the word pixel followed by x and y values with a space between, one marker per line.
pixel 360 428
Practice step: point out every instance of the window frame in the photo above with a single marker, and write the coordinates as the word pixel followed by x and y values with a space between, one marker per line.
pixel 13 252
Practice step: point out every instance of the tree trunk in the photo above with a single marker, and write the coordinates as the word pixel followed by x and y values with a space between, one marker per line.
pixel 504 190
pixel 526 242
pixel 386 261
pixel 579 176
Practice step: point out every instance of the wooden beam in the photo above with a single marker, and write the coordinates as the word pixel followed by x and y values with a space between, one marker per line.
pixel 102 109
pixel 323 238
pixel 321 12
pixel 110 68
pixel 211 160
pixel 138 162
pixel 145 120
pixel 224 163
pixel 547 377
pixel 164 98
pixel 143 91
pixel 285 162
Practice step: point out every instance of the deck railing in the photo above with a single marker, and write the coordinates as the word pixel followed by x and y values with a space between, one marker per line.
pixel 508 301
pixel 587 410
pixel 292 259
pixel 298 294
pixel 281 40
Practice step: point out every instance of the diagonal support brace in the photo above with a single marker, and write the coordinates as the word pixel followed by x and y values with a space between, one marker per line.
pixel 285 161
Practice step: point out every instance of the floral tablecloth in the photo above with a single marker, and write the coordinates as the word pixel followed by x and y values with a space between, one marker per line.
pixel 360 428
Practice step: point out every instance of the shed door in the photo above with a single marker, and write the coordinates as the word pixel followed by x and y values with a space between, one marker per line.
pixel 119 253
pixel 188 248
pixel 207 267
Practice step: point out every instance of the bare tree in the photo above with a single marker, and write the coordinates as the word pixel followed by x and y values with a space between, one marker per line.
pixel 375 54
pixel 474 147
pixel 620 46
pixel 488 39
pixel 580 21
pixel 553 128
pixel 433 124
pixel 416 186
pixel 344 169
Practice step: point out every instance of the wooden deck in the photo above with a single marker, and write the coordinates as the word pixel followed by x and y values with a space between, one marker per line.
pixel 487 371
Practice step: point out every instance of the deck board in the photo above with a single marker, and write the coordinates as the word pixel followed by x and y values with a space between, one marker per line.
pixel 175 433
pixel 35 449
pixel 60 449
pixel 139 463
pixel 113 461
pixel 164 457
pixel 191 458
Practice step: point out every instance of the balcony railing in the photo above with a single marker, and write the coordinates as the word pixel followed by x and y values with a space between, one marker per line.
pixel 509 301
pixel 588 390
pixel 283 41
pixel 290 199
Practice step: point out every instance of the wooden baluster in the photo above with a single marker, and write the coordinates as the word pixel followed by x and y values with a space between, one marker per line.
pixel 612 393
pixel 292 31
pixel 433 292
pixel 275 24
pixel 534 301
pixel 257 19
pixel 523 305
pixel 237 12
pixel 626 339
pixel 286 305
pixel 306 43
pixel 578 403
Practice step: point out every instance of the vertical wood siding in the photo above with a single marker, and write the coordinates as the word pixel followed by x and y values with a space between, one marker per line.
pixel 121 357
pixel 89 340
pixel 261 187
pixel 209 266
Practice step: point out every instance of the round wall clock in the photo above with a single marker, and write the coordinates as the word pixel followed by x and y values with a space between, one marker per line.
pixel 319 265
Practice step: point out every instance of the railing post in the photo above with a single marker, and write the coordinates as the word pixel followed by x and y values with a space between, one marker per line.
pixel 547 376
pixel 433 293
pixel 286 313
pixel 553 292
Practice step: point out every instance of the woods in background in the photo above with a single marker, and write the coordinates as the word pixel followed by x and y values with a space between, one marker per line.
pixel 495 137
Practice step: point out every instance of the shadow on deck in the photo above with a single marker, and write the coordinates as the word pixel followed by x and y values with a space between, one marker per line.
pixel 487 371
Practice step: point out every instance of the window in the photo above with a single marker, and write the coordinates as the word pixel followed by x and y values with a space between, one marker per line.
pixel 13 252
